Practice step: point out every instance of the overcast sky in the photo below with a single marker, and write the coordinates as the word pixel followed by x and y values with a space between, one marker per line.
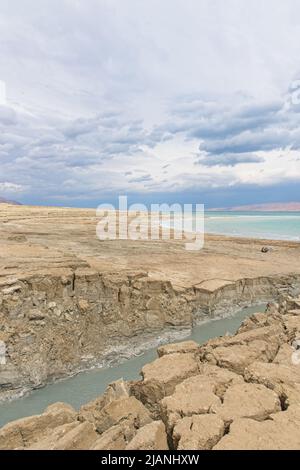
pixel 164 100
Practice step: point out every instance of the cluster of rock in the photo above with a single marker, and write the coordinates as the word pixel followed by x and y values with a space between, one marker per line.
pixel 239 391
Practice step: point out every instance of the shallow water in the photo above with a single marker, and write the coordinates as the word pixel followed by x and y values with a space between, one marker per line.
pixel 88 385
pixel 269 225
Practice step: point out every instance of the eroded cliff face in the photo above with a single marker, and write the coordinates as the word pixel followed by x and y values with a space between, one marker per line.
pixel 53 326
pixel 239 391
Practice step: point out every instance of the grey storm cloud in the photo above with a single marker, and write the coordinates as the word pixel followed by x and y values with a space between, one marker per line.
pixel 141 179
pixel 101 91
pixel 7 116
pixel 228 159
pixel 229 135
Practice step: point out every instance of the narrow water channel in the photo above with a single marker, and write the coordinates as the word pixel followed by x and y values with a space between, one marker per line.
pixel 88 385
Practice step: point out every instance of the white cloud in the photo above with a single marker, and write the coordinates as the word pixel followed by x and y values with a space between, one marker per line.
pixel 102 95
pixel 6 186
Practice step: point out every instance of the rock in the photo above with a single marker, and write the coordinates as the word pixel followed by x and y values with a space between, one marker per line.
pixel 272 308
pixel 117 411
pixel 20 238
pixel 280 432
pixel 117 437
pixel 289 394
pixel 12 289
pixel 83 304
pixel 35 315
pixel 150 437
pixel 270 374
pixel 92 410
pixel 292 304
pixel 261 319
pixel 161 377
pixel 51 438
pixel 9 377
pixel 292 325
pixel 219 378
pixel 237 358
pixel 184 347
pixel 265 249
pixel 247 401
pixel 26 431
pixel 294 312
pixel 74 436
pixel 284 355
pixel 238 351
pixel 199 432
pixel 273 333
pixel 193 396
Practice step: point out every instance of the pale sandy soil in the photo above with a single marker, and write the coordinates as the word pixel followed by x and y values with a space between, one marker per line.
pixel 43 239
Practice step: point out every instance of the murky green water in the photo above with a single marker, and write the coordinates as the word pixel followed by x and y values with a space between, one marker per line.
pixel 88 385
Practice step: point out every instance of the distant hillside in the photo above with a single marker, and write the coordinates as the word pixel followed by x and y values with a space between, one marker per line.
pixel 274 207
pixel 8 201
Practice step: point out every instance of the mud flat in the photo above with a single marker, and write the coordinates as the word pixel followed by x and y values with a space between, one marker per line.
pixel 69 302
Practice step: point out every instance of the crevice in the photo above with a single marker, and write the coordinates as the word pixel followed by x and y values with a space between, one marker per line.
pixel 283 402
pixel 73 282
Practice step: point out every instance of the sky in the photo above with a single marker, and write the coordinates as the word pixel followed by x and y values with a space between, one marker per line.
pixel 164 101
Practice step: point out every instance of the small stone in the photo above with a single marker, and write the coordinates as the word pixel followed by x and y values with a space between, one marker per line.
pixel 83 305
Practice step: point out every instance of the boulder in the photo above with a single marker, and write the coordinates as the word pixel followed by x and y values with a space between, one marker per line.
pixel 236 358
pixel 198 432
pixel 284 355
pixel 26 431
pixel 161 377
pixel 292 325
pixel 261 319
pixel 247 401
pixel 292 303
pixel 193 396
pixel 270 374
pixel 92 410
pixel 73 436
pixel 184 347
pixel 127 408
pixel 150 437
pixel 220 378
pixel 117 437
pixel 237 352
pixel 280 432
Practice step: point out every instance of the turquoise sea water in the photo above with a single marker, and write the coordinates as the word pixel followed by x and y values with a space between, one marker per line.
pixel 270 225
